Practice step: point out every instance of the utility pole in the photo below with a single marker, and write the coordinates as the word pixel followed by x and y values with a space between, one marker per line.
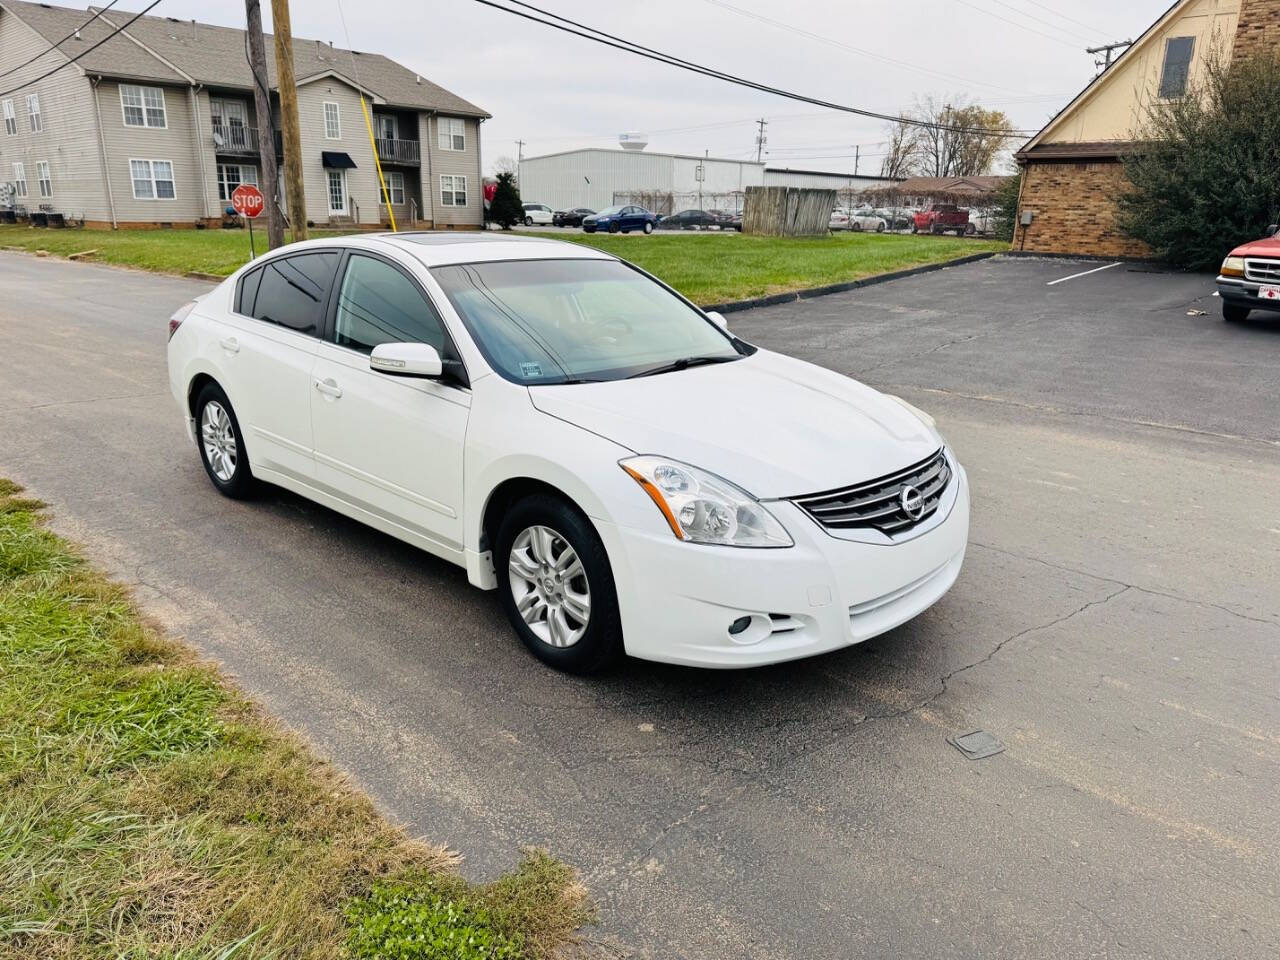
pixel 288 87
pixel 1108 49
pixel 857 155
pixel 519 152
pixel 761 139
pixel 262 105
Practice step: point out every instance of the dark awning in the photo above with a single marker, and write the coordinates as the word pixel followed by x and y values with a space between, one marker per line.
pixel 337 160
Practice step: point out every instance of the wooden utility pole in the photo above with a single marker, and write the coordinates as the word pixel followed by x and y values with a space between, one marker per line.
pixel 288 87
pixel 262 105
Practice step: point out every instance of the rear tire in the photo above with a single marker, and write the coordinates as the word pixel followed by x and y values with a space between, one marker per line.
pixel 648 228
pixel 528 221
pixel 221 444
pixel 855 227
pixel 571 622
pixel 1234 312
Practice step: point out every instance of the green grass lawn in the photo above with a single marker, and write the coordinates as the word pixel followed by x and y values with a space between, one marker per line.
pixel 707 268
pixel 147 810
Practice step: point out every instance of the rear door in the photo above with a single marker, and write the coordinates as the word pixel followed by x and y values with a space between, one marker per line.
pixel 391 447
pixel 268 344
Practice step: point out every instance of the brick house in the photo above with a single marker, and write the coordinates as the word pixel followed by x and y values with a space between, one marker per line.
pixel 157 125
pixel 1074 166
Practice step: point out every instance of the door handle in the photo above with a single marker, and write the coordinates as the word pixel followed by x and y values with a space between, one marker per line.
pixel 329 388
pixel 230 344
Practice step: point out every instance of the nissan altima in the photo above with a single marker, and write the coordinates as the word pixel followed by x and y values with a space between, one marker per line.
pixel 629 475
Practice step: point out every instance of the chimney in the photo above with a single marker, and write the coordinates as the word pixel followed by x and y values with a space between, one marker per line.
pixel 1258 29
pixel 194 25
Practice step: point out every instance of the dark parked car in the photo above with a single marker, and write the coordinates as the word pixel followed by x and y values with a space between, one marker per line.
pixel 621 220
pixel 898 218
pixel 726 220
pixel 687 220
pixel 570 218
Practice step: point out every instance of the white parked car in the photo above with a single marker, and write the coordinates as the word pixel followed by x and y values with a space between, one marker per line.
pixel 627 474
pixel 842 219
pixel 537 213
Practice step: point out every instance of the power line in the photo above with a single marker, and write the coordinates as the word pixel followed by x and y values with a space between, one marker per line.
pixel 608 40
pixel 84 53
pixel 1031 16
pixel 1079 23
pixel 73 33
pixel 1020 26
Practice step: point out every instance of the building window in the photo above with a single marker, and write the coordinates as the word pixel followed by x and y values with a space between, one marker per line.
pixel 10 118
pixel 453 191
pixel 453 133
pixel 231 175
pixel 1177 66
pixel 143 106
pixel 33 112
pixel 43 179
pixel 332 122
pixel 395 186
pixel 337 191
pixel 387 125
pixel 19 180
pixel 152 179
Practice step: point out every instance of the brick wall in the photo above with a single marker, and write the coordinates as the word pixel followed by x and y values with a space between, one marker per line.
pixel 1075 211
pixel 1258 30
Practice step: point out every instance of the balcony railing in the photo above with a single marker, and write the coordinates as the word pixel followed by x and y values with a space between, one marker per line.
pixel 398 151
pixel 235 138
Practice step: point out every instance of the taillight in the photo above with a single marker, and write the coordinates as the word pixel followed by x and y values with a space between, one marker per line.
pixel 179 315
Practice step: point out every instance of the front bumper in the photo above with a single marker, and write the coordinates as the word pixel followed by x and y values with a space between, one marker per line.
pixel 679 599
pixel 1245 293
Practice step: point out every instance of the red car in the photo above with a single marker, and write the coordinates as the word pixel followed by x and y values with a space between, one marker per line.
pixel 1250 277
pixel 941 217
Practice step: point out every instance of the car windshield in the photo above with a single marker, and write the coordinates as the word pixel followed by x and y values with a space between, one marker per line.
pixel 569 321
pixel 609 211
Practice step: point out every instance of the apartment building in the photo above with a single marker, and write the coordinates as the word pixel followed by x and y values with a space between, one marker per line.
pixel 158 125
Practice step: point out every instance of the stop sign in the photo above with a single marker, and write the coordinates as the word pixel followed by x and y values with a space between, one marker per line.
pixel 247 200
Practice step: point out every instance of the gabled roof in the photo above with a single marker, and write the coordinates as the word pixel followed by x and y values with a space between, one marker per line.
pixel 1097 82
pixel 950 185
pixel 184 51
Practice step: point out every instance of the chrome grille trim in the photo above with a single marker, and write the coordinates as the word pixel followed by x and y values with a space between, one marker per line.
pixel 1262 271
pixel 876 504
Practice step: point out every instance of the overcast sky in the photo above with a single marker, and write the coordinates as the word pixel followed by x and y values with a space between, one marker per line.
pixel 557 91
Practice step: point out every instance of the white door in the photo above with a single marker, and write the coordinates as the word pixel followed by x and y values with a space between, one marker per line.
pixel 267 347
pixel 337 193
pixel 389 446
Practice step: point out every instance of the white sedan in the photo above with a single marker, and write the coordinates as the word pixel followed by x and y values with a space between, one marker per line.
pixel 842 219
pixel 629 475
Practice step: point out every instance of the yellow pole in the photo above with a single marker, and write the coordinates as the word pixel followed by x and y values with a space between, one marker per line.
pixel 386 198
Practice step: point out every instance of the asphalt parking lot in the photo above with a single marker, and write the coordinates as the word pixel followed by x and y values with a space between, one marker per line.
pixel 1116 628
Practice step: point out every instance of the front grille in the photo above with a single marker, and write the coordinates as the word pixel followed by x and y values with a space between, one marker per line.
pixel 1262 271
pixel 878 504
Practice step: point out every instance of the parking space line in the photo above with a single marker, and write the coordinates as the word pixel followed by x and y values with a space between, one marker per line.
pixel 1085 274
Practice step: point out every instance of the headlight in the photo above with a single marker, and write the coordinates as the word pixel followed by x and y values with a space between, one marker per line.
pixel 702 508
pixel 927 420
pixel 1233 267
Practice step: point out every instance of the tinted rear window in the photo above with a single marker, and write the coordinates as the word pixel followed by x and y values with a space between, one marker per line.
pixel 248 292
pixel 293 290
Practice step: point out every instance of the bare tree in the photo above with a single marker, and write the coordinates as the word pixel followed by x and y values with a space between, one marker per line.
pixel 506 164
pixel 903 151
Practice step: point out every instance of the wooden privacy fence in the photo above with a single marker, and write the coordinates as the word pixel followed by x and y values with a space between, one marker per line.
pixel 788 211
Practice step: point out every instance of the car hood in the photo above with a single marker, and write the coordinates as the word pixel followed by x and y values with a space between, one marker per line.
pixel 775 426
pixel 1267 247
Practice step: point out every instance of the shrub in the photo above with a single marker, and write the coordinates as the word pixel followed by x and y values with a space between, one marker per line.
pixel 1005 220
pixel 505 208
pixel 1207 177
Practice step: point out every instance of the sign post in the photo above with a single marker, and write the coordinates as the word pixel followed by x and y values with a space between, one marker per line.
pixel 247 200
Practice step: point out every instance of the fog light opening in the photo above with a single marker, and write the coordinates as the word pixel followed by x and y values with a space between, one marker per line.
pixel 739 626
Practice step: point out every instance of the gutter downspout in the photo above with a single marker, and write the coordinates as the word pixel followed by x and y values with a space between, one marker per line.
pixel 194 90
pixel 429 201
pixel 102 146
pixel 480 172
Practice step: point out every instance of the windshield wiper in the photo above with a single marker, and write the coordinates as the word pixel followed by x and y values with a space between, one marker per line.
pixel 684 363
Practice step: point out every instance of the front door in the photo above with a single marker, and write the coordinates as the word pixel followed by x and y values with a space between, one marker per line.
pixel 231 118
pixel 391 447
pixel 387 126
pixel 337 193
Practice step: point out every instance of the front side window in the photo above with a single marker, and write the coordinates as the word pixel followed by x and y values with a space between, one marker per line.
pixel 19 180
pixel 231 175
pixel 43 179
pixel 143 106
pixel 152 179
pixel 332 122
pixel 1177 66
pixel 10 118
pixel 561 321
pixel 453 191
pixel 291 291
pixel 395 186
pixel 33 112
pixel 453 133
pixel 379 304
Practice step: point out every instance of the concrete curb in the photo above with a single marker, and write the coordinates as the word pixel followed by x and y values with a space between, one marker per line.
pixel 197 275
pixel 736 305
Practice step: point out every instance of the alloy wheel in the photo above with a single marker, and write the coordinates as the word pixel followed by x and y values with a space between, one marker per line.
pixel 219 440
pixel 549 585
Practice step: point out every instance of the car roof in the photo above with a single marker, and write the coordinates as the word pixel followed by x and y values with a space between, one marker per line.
pixel 434 248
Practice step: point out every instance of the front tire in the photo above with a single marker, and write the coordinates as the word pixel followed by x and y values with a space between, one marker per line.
pixel 221 444
pixel 1234 312
pixel 614 228
pixel 556 585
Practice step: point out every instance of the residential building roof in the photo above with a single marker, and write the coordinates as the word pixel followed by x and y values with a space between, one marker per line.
pixel 184 51
pixel 949 185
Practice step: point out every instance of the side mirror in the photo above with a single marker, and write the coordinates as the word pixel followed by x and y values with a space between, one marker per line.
pixel 718 319
pixel 1273 229
pixel 406 360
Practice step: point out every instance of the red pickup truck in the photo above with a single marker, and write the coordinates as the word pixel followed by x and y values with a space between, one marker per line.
pixel 1250 277
pixel 941 217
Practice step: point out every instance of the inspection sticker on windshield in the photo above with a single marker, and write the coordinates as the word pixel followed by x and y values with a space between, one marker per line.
pixel 530 369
